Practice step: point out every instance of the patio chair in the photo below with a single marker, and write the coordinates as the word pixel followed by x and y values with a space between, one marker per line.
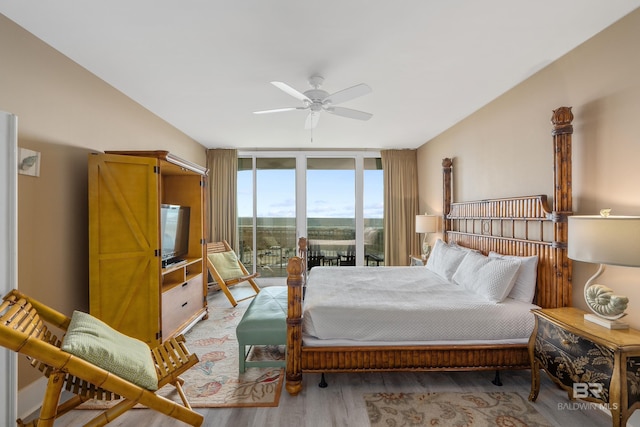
pixel 227 270
pixel 314 258
pixel 76 361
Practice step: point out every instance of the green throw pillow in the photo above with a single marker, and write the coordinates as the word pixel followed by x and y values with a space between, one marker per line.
pixel 226 263
pixel 96 342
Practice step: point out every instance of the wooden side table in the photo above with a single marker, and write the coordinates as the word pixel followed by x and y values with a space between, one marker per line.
pixel 417 261
pixel 591 362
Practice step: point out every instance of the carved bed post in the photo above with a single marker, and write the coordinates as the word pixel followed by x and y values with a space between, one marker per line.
pixel 562 200
pixel 447 196
pixel 302 246
pixel 295 271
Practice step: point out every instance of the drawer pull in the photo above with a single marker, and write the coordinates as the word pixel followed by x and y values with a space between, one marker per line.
pixel 566 342
pixel 185 304
pixel 561 366
pixel 185 284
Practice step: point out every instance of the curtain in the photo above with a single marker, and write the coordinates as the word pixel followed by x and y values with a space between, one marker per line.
pixel 400 205
pixel 223 172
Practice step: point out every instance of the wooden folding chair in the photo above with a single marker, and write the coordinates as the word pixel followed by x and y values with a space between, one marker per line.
pixel 229 271
pixel 29 327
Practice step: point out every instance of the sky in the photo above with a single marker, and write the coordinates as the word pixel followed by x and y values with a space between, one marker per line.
pixel 330 193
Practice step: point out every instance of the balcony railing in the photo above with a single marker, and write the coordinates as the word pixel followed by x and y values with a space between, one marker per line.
pixel 277 242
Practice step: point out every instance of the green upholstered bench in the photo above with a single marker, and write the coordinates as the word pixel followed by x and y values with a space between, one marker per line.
pixel 264 323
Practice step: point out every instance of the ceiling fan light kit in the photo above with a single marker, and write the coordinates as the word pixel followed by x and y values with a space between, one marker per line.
pixel 317 100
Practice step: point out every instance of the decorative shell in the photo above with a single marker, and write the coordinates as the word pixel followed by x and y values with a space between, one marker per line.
pixel 603 302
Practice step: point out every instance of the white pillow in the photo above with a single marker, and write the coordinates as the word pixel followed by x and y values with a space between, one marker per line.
pixel 444 259
pixel 525 287
pixel 463 248
pixel 491 278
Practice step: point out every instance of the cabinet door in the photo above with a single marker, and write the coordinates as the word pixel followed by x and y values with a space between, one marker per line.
pixel 124 263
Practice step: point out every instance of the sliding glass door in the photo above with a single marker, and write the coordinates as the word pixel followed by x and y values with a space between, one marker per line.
pixel 331 211
pixel 373 210
pixel 267 216
pixel 335 201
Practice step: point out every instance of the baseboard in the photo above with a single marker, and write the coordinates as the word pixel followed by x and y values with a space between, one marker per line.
pixel 30 398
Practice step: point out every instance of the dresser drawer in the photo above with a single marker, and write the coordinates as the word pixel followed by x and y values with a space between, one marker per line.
pixel 572 344
pixel 572 359
pixel 180 303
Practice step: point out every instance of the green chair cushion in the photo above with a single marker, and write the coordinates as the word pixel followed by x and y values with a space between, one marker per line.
pixel 226 264
pixel 96 342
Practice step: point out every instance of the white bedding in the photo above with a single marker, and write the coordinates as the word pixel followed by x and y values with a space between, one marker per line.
pixel 402 305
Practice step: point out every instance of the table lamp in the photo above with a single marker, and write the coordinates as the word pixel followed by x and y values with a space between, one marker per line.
pixel 426 224
pixel 606 240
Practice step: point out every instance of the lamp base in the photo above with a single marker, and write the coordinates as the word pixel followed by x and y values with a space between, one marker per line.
pixel 426 247
pixel 426 250
pixel 610 324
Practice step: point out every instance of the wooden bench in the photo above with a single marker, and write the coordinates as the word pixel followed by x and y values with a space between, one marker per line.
pixel 264 323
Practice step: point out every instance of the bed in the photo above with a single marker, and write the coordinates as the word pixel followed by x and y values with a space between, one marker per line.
pixel 512 227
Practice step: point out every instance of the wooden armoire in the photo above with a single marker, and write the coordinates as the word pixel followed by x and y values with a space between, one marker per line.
pixel 129 289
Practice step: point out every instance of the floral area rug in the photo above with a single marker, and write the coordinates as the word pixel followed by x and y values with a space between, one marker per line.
pixel 215 381
pixel 474 409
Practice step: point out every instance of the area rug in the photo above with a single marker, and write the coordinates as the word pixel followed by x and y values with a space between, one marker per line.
pixel 215 381
pixel 474 409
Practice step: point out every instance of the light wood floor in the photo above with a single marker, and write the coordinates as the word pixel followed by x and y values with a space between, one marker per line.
pixel 341 403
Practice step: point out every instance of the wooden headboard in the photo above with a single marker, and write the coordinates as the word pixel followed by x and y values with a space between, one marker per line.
pixel 523 226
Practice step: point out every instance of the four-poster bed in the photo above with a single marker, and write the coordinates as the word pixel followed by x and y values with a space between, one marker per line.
pixel 516 226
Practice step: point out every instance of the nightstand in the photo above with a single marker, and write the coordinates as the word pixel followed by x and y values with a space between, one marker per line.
pixel 417 261
pixel 591 362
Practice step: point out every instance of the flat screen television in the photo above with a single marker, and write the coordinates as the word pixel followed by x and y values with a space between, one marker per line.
pixel 174 226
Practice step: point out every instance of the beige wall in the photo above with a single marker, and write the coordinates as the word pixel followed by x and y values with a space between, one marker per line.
pixel 65 112
pixel 505 148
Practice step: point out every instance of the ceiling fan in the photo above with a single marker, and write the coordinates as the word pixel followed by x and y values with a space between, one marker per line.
pixel 317 100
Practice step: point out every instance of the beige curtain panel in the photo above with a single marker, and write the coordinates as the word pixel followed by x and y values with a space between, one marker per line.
pixel 223 171
pixel 400 205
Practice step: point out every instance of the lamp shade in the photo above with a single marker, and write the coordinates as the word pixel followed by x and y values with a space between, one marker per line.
pixel 612 240
pixel 426 223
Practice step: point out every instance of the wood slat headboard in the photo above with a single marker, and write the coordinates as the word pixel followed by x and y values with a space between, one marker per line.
pixel 523 226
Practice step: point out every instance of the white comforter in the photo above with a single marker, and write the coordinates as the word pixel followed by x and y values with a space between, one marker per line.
pixel 402 305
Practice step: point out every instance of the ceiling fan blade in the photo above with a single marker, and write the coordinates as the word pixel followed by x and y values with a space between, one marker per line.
pixel 278 110
pixel 312 120
pixel 349 93
pixel 350 113
pixel 291 91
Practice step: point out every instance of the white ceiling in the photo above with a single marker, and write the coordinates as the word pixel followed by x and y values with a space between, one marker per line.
pixel 205 65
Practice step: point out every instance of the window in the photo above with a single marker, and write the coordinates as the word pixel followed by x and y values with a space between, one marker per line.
pixel 268 232
pixel 331 211
pixel 334 200
pixel 373 211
